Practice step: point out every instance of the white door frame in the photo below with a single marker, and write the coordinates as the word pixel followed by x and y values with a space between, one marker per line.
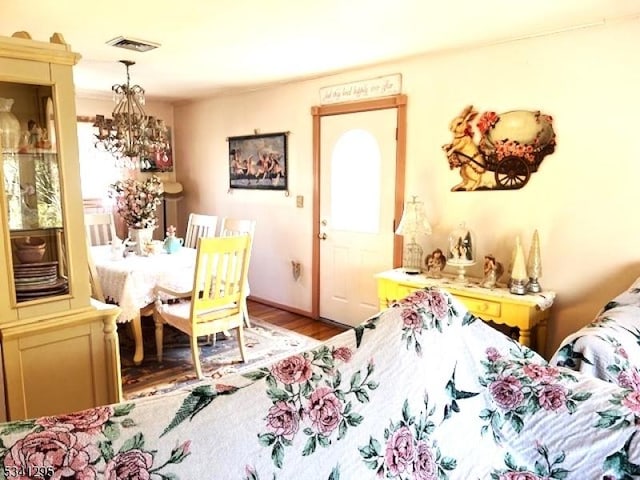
pixel 399 102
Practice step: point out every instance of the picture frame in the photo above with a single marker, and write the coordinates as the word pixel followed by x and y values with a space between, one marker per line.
pixel 158 162
pixel 258 162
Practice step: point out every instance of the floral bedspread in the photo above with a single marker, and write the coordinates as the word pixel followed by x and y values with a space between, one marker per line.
pixel 609 346
pixel 424 390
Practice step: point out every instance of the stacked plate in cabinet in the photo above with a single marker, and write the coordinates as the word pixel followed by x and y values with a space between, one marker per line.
pixel 34 280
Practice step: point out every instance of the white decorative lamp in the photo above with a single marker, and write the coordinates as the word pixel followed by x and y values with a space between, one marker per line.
pixel 462 250
pixel 414 222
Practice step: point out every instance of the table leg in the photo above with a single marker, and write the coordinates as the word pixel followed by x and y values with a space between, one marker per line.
pixel 525 337
pixel 136 326
pixel 541 337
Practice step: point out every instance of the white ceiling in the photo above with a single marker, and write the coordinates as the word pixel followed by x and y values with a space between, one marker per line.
pixel 211 47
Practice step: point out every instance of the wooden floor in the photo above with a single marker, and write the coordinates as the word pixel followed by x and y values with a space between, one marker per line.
pixel 317 329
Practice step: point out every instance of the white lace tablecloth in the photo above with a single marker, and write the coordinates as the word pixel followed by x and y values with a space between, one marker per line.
pixel 130 281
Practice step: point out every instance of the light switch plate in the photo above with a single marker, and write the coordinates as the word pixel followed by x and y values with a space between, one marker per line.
pixel 299 201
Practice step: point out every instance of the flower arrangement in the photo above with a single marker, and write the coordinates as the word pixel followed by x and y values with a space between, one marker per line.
pixel 136 200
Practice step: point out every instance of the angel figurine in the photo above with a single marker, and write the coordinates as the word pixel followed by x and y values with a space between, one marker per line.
pixel 435 263
pixel 492 271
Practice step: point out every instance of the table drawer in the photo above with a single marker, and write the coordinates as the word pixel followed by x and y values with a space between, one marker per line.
pixel 482 308
pixel 404 290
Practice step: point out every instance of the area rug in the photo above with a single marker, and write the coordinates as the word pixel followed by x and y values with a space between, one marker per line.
pixel 264 343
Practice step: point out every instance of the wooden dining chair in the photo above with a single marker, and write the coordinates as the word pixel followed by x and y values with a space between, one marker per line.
pixel 215 304
pixel 199 225
pixel 236 226
pixel 96 286
pixel 100 228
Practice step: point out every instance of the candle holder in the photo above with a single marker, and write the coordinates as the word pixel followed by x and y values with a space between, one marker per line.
pixel 518 286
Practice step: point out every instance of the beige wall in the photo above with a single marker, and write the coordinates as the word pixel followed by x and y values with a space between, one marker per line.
pixel 581 200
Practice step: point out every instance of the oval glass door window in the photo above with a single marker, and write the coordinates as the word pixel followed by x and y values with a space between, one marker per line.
pixel 355 183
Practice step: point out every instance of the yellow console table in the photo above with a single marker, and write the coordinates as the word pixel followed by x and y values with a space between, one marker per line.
pixel 525 312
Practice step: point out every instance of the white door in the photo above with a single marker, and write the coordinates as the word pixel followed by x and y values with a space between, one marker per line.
pixel 358 171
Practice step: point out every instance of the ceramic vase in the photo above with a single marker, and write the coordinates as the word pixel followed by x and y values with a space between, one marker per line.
pixel 9 127
pixel 142 237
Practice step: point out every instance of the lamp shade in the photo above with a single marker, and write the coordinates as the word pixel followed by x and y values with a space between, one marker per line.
pixel 173 190
pixel 414 220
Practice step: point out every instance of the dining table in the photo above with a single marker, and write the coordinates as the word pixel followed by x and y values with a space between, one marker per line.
pixel 131 281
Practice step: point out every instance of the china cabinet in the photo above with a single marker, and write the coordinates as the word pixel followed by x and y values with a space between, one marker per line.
pixel 59 348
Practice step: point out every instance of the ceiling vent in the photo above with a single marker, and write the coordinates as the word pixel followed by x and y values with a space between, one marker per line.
pixel 133 44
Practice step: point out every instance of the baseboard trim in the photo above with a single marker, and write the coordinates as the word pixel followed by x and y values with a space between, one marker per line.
pixel 286 308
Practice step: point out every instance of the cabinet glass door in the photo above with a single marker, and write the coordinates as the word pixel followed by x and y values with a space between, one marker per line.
pixel 31 177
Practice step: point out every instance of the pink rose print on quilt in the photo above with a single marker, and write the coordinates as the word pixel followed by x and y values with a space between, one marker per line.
pixel 406 450
pixel 546 467
pixel 310 396
pixel 520 389
pixel 424 310
pixel 66 446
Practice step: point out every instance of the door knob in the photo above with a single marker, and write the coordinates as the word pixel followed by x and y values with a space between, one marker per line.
pixel 322 236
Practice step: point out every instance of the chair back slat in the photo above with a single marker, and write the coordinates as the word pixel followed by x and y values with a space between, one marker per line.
pixel 100 228
pixel 198 226
pixel 222 265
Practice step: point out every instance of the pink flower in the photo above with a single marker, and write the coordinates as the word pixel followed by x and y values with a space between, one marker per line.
pixel 507 392
pixel 181 452
pixel 632 401
pixel 130 465
pixel 438 304
pixel 629 379
pixel 540 372
pixel 342 353
pixel 411 319
pixel 56 447
pixel 519 476
pixel 283 419
pixel 136 201
pixel 486 121
pixel 294 369
pixel 89 421
pixel 493 354
pixel 324 410
pixel 552 397
pixel 417 297
pixel 399 454
pixel 424 466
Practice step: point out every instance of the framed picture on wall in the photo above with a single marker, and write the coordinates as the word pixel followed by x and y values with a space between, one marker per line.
pixel 158 161
pixel 258 161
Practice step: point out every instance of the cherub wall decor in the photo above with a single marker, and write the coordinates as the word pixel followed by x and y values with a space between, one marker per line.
pixel 509 147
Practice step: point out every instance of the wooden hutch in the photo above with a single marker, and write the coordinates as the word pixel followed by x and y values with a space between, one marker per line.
pixel 59 347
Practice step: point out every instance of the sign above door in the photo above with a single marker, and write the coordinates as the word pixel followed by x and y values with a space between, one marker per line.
pixel 362 90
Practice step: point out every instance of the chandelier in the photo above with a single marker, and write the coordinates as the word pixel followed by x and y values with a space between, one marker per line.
pixel 131 134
